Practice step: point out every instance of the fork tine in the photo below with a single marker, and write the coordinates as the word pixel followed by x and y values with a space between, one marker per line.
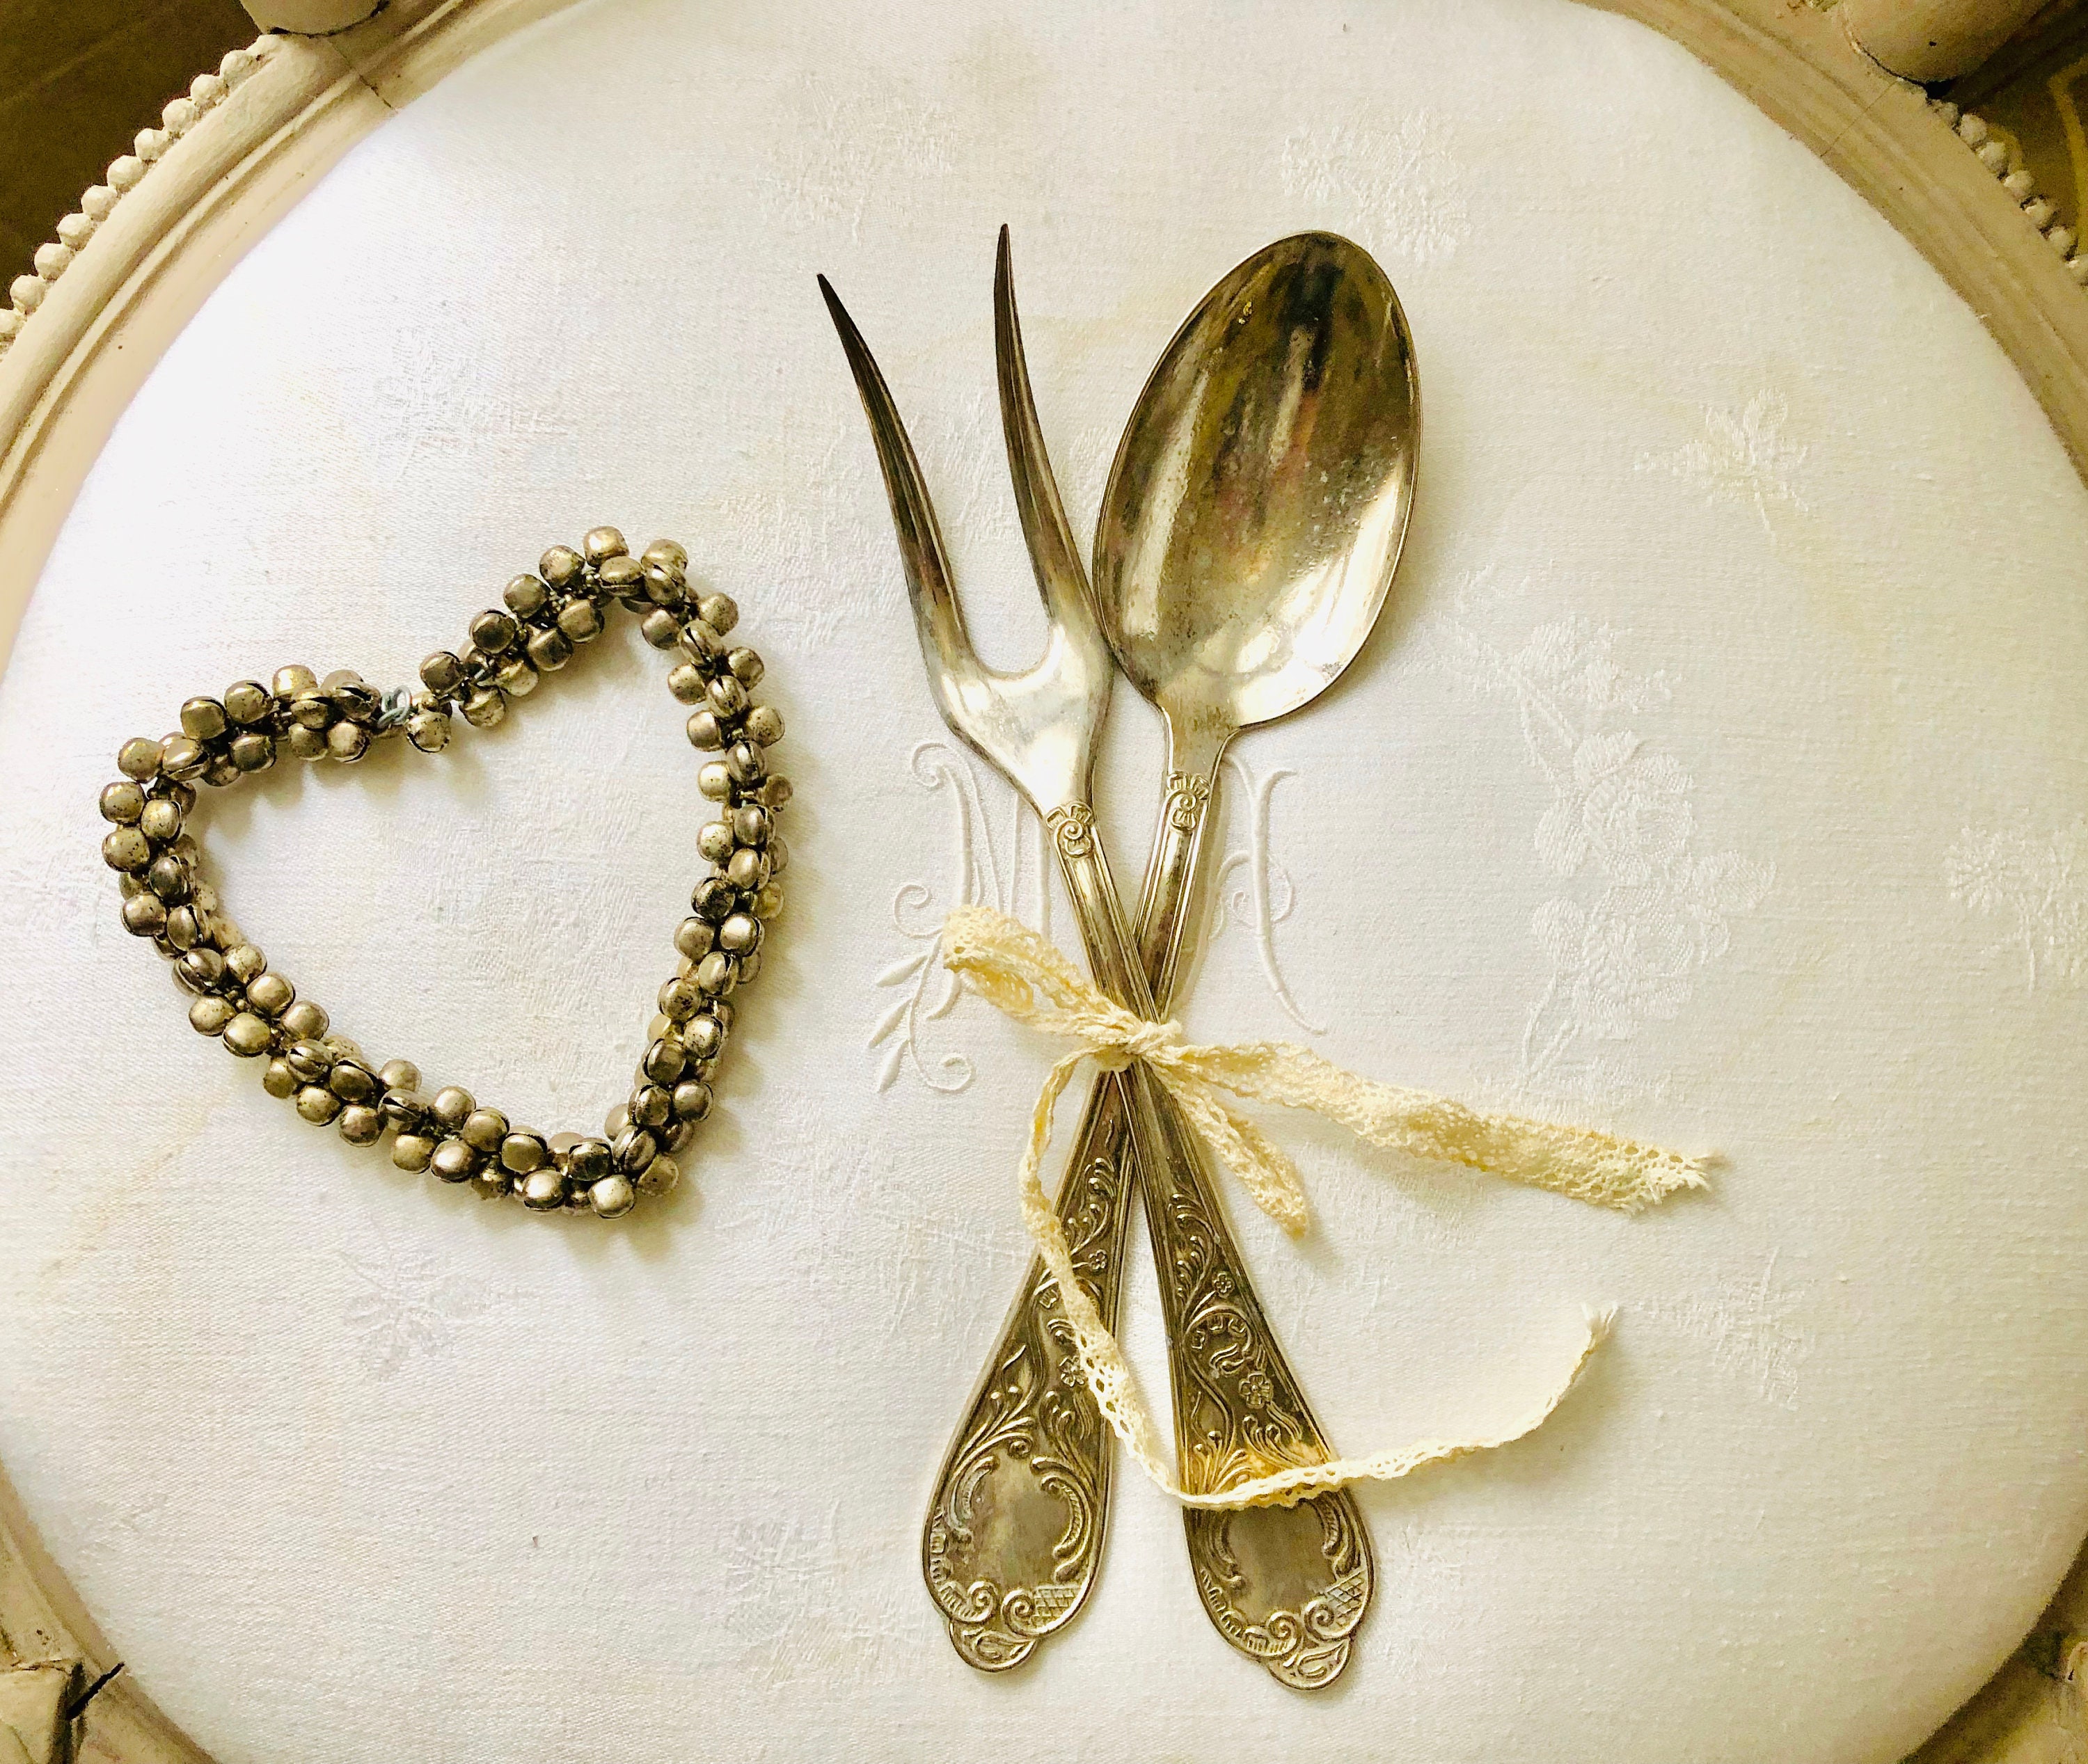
pixel 1062 578
pixel 937 616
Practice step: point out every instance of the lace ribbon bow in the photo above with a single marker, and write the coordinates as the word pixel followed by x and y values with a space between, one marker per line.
pixel 1031 980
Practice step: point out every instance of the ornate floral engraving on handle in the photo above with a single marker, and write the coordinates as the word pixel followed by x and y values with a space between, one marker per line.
pixel 1239 1413
pixel 1026 1483
pixel 1073 827
pixel 1188 792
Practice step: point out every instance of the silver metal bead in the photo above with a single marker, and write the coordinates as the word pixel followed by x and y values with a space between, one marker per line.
pixel 651 1106
pixel 429 731
pixel 347 741
pixel 660 1176
pixel 220 771
pixel 287 682
pixel 589 1161
pixel 517 676
pixel 715 782
pixel 580 620
pixel 691 1100
pixel 664 586
pixel 168 878
pixel 764 725
pixel 278 1079
pixel 775 793
pixel 746 763
pixel 524 1151
pixel 725 1011
pixel 624 578
pixel 618 1119
pixel 704 1036
pixel 204 719
pixel 680 1000
pixel 145 916
pixel 485 707
pixel 701 644
pixel 306 1020
pixel 309 1060
pixel 138 758
pixel 411 1151
pixel 210 1014
pixel 779 855
pixel 126 848
pixel 663 1061
pixel 248 1035
pixel 525 596
pixel 769 902
pixel 686 680
pixel 603 543
pixel 693 937
pixel 494 631
pixel 123 802
pixel 318 1104
pixel 749 966
pixel 713 899
pixel 399 1075
pixel 714 841
pixel 726 697
pixel 442 672
pixel 613 1196
pixel 453 1161
pixel 301 743
pixel 483 1130
pixel 746 667
pixel 751 825
pixel 248 701
pixel 489 1182
pixel 544 1190
pixel 183 758
pixel 252 751
pixel 353 1082
pixel 719 612
pixel 666 552
pixel 200 970
pixel 747 869
pixel 740 934
pixel 549 649
pixel 160 821
pixel 360 1125
pixel 715 975
pixel 313 710
pixel 246 963
pixel 660 628
pixel 633 1149
pixel 452 1107
pixel 560 566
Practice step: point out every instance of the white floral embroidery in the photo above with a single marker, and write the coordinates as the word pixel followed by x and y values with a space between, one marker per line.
pixel 1400 175
pixel 1254 889
pixel 2038 883
pixel 789 1602
pixel 1750 1327
pixel 1626 948
pixel 1740 457
pixel 404 1303
pixel 1006 870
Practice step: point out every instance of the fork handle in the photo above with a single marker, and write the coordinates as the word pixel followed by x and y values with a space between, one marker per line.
pixel 1286 1585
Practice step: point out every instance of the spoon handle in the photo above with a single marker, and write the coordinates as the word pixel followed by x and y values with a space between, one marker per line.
pixel 1286 1585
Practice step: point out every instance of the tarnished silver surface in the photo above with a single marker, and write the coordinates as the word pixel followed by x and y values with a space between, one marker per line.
pixel 1015 1531
pixel 1247 539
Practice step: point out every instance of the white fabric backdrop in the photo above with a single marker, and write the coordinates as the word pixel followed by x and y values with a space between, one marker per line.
pixel 1717 775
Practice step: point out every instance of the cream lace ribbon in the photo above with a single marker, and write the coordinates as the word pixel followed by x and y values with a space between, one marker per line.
pixel 1031 980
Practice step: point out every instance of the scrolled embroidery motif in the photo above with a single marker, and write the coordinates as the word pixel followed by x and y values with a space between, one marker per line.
pixel 257 1012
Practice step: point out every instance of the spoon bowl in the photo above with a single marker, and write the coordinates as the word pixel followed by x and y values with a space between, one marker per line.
pixel 1259 497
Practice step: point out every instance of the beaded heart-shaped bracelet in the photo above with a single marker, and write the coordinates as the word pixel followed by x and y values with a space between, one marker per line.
pixel 257 1012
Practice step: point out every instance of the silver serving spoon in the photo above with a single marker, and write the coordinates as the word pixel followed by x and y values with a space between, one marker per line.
pixel 1252 522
